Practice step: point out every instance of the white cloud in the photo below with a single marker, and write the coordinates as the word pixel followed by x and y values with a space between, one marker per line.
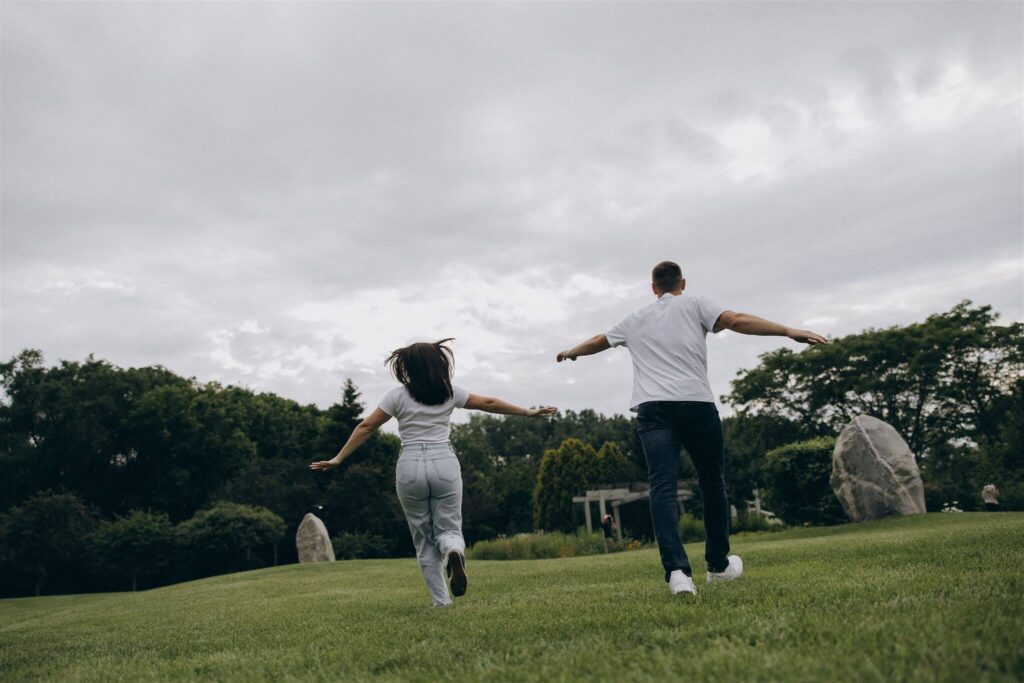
pixel 280 194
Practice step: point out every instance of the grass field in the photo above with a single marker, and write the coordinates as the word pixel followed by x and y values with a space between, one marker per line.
pixel 928 598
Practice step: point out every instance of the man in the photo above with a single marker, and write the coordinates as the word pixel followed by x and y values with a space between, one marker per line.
pixel 675 408
pixel 608 527
pixel 990 495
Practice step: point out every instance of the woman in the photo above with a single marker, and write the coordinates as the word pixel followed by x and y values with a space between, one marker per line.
pixel 428 477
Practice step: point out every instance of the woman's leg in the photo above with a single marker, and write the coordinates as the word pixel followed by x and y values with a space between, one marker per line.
pixel 445 477
pixel 446 504
pixel 414 495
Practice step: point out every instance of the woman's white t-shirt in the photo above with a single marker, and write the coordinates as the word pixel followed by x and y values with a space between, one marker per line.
pixel 419 423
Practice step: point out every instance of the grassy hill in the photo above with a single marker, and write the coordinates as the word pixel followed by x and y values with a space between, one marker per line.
pixel 937 598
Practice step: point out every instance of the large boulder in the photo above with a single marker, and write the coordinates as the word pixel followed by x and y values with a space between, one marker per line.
pixel 312 540
pixel 874 474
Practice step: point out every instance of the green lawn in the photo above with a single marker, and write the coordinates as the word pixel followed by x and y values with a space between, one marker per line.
pixel 928 598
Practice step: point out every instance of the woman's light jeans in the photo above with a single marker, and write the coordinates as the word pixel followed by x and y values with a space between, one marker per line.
pixel 428 479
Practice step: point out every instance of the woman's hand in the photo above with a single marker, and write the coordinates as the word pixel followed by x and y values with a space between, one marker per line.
pixel 323 465
pixel 540 412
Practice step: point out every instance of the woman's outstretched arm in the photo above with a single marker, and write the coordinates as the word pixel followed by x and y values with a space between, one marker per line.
pixel 359 435
pixel 496 405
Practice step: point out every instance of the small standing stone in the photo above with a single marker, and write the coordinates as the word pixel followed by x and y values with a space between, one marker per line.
pixel 312 540
pixel 874 473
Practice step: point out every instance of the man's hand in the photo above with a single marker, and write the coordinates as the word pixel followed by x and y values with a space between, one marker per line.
pixel 323 465
pixel 595 344
pixel 540 412
pixel 805 337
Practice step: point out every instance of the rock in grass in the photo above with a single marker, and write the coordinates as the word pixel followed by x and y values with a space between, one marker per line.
pixel 312 541
pixel 874 473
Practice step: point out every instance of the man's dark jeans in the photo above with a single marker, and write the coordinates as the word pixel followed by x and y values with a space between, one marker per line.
pixel 664 426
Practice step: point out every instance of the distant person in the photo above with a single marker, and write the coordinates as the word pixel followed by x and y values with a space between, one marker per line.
pixel 990 494
pixel 608 527
pixel 675 408
pixel 428 476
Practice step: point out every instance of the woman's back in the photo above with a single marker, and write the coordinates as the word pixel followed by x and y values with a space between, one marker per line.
pixel 418 422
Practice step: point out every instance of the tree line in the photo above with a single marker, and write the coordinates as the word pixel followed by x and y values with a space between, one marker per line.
pixel 119 478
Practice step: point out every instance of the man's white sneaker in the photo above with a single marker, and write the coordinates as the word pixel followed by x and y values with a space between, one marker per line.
pixel 680 583
pixel 733 571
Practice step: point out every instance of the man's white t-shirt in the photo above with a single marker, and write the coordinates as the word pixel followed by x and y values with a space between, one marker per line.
pixel 667 342
pixel 419 423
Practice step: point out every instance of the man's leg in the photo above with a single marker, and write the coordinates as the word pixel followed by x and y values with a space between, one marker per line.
pixel 702 438
pixel 661 449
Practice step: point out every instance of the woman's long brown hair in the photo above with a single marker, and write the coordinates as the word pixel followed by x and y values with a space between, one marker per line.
pixel 425 369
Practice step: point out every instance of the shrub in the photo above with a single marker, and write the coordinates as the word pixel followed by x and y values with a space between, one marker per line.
pixel 49 540
pixel 1011 496
pixel 568 471
pixel 222 538
pixel 139 544
pixel 752 522
pixel 691 529
pixel 541 546
pixel 354 546
pixel 797 482
pixel 563 474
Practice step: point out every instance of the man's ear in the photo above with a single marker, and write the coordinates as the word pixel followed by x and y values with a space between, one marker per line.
pixel 683 286
pixel 654 289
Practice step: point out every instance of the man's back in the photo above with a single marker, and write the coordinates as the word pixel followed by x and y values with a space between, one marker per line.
pixel 667 343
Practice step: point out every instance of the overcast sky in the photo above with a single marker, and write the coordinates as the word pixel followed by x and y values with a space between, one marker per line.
pixel 278 194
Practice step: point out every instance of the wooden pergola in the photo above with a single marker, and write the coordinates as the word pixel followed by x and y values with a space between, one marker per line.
pixel 620 494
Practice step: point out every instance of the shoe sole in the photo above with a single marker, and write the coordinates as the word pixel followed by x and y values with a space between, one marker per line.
pixel 457 573
pixel 714 578
pixel 719 579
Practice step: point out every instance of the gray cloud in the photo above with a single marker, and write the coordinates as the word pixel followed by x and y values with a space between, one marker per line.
pixel 276 194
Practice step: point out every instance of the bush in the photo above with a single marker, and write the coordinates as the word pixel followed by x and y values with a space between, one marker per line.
pixel 562 475
pixel 541 546
pixel 138 545
pixel 752 522
pixel 691 529
pixel 1011 496
pixel 568 471
pixel 797 483
pixel 47 543
pixel 223 538
pixel 355 546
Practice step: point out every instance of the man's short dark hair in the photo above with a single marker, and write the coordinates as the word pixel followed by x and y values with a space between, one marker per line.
pixel 666 276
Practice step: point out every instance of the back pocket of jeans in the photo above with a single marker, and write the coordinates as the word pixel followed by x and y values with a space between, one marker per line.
pixel 405 471
pixel 448 469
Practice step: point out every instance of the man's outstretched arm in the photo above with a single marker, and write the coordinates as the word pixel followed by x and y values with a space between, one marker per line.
pixel 595 344
pixel 745 323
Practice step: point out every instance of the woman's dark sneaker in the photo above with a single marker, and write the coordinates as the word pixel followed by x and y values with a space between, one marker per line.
pixel 457 579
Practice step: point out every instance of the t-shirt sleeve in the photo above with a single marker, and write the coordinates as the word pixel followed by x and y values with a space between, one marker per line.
pixel 709 312
pixel 617 335
pixel 389 404
pixel 461 396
